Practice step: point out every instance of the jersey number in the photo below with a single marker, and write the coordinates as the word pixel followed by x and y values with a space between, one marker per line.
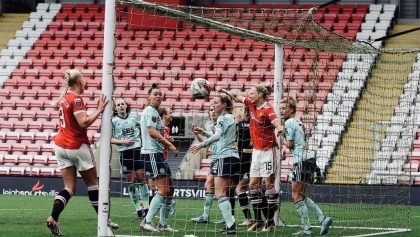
pixel 268 165
pixel 61 114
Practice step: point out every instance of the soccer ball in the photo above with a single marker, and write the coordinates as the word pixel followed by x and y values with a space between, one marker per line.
pixel 200 88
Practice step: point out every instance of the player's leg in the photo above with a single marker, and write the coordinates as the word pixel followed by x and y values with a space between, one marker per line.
pixel 209 187
pixel 271 194
pixel 126 162
pixel 234 180
pixel 242 187
pixel 272 197
pixel 165 188
pixel 228 167
pixel 309 168
pixel 298 195
pixel 244 201
pixel 63 197
pixel 141 187
pixel 160 173
pixel 221 190
pixel 255 196
pixel 70 180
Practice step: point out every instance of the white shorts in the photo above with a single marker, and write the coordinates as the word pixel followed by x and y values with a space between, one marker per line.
pixel 81 158
pixel 263 163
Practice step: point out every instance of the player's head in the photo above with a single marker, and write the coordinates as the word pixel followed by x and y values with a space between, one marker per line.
pixel 154 95
pixel 223 104
pixel 260 93
pixel 212 113
pixel 121 107
pixel 73 81
pixel 288 108
pixel 165 114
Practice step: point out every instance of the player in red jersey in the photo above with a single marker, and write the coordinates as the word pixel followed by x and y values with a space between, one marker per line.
pixel 263 122
pixel 166 116
pixel 72 147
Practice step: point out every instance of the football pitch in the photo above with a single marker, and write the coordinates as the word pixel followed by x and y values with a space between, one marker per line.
pixel 26 216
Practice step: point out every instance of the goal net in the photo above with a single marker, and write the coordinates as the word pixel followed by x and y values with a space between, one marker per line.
pixel 357 103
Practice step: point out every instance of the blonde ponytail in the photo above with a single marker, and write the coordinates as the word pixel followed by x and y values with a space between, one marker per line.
pixel 71 76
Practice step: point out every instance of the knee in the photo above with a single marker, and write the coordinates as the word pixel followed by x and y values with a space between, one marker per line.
pixel 166 191
pixel 71 188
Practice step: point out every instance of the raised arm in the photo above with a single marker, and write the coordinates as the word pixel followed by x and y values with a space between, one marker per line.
pixel 85 121
pixel 207 142
pixel 234 96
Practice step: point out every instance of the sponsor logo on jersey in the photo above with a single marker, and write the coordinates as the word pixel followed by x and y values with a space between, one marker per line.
pixel 154 119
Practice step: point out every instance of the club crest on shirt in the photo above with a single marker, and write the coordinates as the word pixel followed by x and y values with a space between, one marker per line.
pixel 78 103
pixel 154 119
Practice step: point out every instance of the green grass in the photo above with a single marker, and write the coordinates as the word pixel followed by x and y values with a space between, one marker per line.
pixel 26 215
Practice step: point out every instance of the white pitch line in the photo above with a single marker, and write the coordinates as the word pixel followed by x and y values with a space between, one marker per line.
pixel 15 209
pixel 384 230
pixel 136 236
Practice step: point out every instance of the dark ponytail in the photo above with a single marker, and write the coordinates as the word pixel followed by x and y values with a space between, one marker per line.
pixel 154 86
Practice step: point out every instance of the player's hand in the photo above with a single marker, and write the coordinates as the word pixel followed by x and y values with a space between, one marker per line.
pixel 103 101
pixel 220 89
pixel 196 129
pixel 195 147
pixel 174 150
pixel 129 142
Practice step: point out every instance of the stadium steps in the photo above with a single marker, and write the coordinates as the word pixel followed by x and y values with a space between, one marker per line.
pixel 405 41
pixel 379 98
pixel 9 24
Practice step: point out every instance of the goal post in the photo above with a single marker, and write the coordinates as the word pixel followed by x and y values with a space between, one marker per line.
pixel 106 128
pixel 238 53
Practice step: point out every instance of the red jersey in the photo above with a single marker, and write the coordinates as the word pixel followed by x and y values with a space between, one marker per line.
pixel 261 127
pixel 71 135
pixel 166 134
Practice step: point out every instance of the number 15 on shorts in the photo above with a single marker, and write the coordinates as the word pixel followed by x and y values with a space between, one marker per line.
pixel 268 165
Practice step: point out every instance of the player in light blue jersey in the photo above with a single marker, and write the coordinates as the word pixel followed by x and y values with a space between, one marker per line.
pixel 153 143
pixel 304 166
pixel 209 184
pixel 227 162
pixel 126 136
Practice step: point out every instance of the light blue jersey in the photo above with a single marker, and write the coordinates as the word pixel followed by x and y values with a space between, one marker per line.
pixel 151 119
pixel 295 131
pixel 125 129
pixel 208 133
pixel 224 137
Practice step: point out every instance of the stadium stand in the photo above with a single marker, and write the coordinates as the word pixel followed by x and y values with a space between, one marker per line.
pixel 357 143
pixel 62 37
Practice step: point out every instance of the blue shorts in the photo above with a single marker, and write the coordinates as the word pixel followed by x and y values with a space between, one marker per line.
pixel 155 165
pixel 228 166
pixel 130 160
pixel 304 171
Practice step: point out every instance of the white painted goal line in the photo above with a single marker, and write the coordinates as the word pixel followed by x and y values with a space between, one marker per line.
pixel 382 231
